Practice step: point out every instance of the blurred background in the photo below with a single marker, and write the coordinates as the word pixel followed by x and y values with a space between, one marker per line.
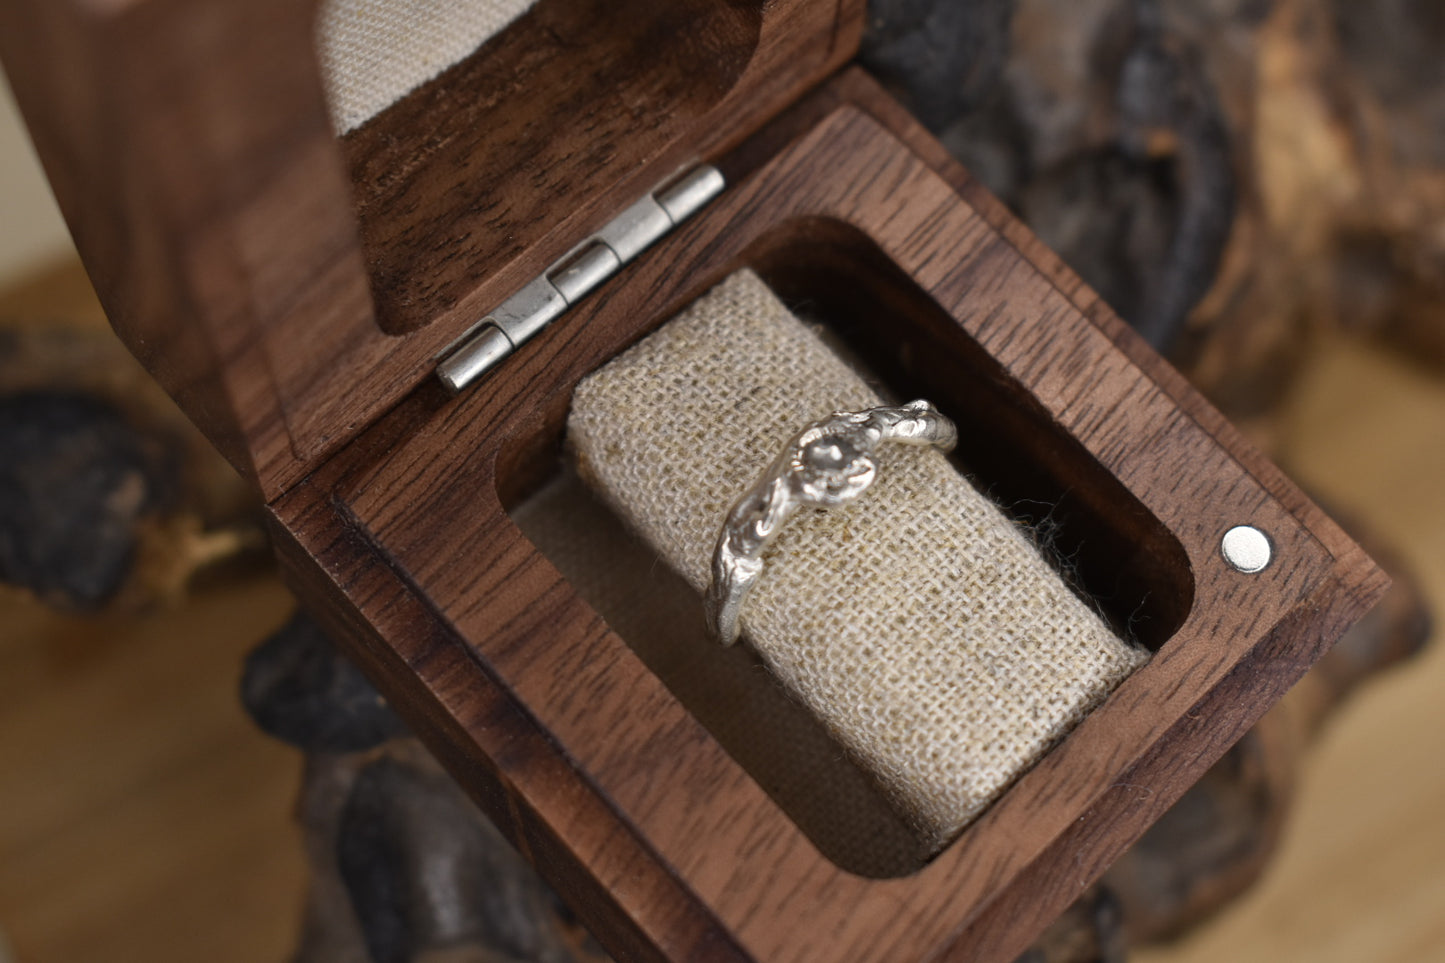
pixel 143 816
pixel 1258 187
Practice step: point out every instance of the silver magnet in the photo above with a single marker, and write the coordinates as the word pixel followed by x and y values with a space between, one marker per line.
pixel 1246 549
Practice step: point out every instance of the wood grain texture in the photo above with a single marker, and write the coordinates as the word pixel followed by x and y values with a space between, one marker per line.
pixel 605 780
pixel 495 169
pixel 189 146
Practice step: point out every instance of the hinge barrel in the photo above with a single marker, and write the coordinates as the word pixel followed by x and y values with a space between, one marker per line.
pixel 565 283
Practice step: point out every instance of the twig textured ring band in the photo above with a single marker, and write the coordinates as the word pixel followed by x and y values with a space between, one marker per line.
pixel 827 464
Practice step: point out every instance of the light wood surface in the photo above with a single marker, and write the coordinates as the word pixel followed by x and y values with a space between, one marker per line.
pixel 142 817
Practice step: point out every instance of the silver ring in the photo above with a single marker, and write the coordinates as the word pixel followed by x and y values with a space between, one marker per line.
pixel 827 464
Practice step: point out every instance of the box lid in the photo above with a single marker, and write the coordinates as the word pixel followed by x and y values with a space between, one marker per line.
pixel 287 286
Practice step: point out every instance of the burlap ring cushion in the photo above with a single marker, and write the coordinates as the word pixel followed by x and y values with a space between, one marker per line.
pixel 919 625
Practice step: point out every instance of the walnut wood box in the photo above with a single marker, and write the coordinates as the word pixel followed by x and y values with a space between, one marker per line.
pixel 293 292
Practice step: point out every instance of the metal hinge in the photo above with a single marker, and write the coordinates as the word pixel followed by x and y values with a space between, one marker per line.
pixel 569 280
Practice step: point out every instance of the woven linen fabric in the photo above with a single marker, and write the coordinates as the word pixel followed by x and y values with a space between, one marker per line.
pixel 780 744
pixel 918 624
pixel 375 52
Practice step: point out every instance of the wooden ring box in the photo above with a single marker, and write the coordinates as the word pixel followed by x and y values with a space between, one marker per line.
pixel 293 292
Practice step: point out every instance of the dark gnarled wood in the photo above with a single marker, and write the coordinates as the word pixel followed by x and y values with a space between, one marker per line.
pixel 667 848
